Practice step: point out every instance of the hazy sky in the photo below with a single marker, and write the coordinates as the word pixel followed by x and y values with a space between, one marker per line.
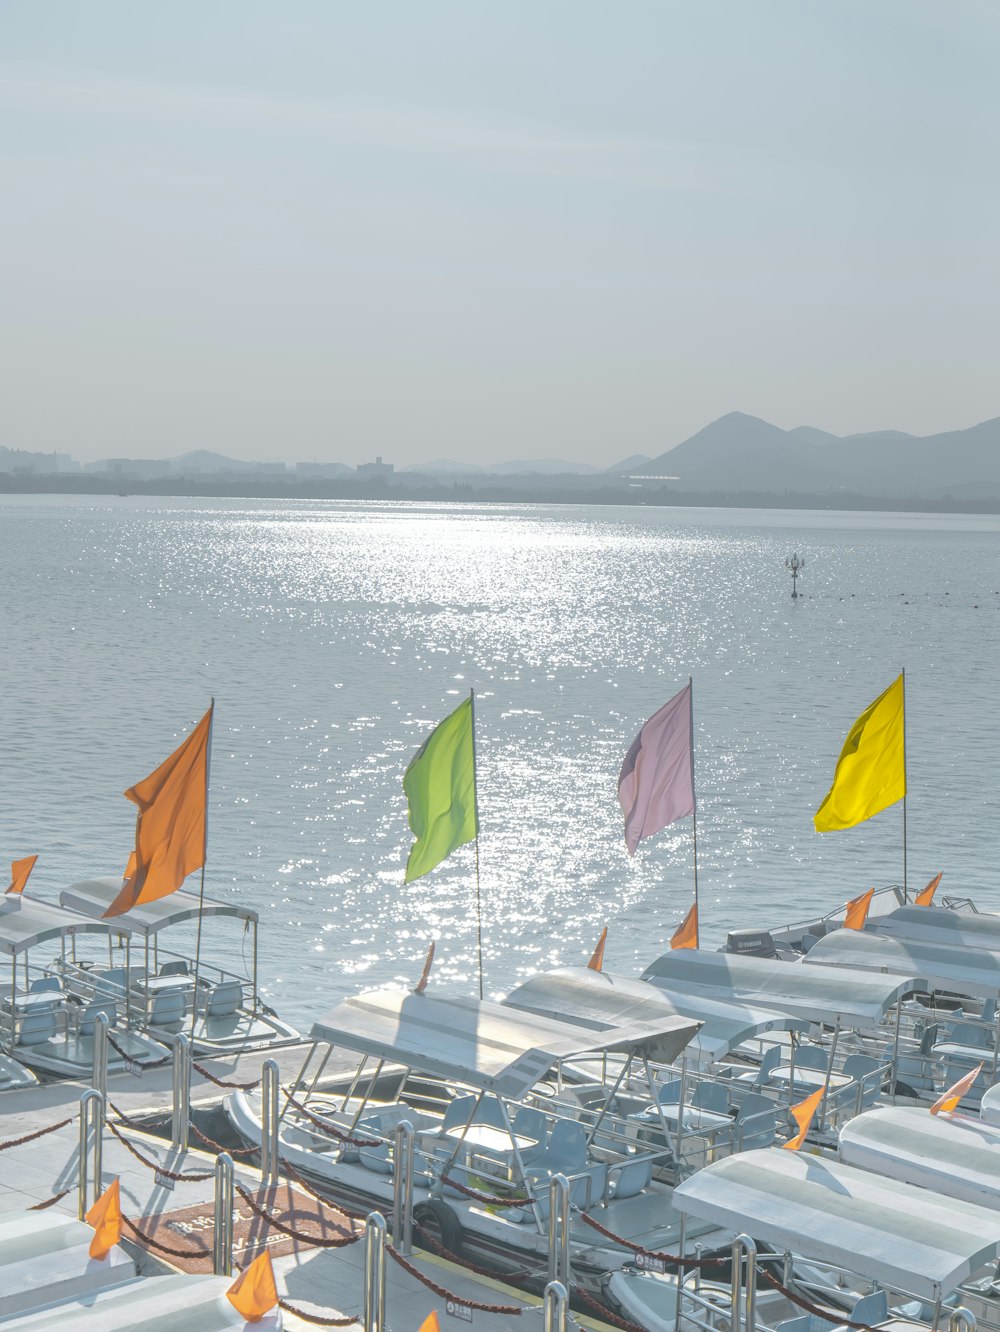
pixel 319 229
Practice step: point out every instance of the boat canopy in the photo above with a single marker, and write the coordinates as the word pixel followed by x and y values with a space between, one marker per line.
pixel 971 971
pixel 909 1239
pixel 484 1044
pixel 856 998
pixel 937 925
pixel 989 1106
pixel 93 898
pixel 600 999
pixel 953 1154
pixel 24 922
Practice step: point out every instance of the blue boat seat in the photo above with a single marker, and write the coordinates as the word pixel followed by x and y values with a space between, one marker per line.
pixel 531 1123
pixel 46 985
pixel 630 1179
pixel 36 1027
pixel 458 1112
pixel 864 1069
pixel 376 1158
pixel 711 1096
pixel 110 984
pixel 770 1059
pixel 179 968
pixel 168 1010
pixel 812 1056
pixel 89 1014
pixel 756 1123
pixel 225 999
pixel 871 1309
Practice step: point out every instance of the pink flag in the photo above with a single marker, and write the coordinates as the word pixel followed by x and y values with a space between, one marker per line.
pixel 656 784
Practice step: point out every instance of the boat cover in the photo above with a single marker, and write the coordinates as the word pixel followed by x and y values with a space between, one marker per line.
pixel 600 999
pixel 989 1106
pixel 484 1044
pixel 24 922
pixel 970 971
pixel 963 929
pixel 857 998
pixel 909 1239
pixel 93 898
pixel 953 1154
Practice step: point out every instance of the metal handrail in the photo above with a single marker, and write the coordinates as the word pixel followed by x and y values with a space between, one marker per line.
pixel 374 1291
pixel 556 1303
pixel 222 1254
pixel 181 1089
pixel 91 1125
pixel 402 1192
pixel 270 1121
pixel 559 1229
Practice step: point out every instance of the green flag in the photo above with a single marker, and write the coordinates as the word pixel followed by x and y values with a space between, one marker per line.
pixel 440 786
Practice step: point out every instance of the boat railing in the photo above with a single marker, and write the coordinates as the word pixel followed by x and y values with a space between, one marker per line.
pixel 92 983
pixel 785 933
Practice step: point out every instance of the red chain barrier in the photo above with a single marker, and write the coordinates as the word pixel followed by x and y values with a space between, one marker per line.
pixel 300 1180
pixel 229 1086
pixel 150 1063
pixel 316 1319
pixel 39 1133
pixel 49 1202
pixel 487 1199
pixel 444 1294
pixel 427 1238
pixel 332 1129
pixel 265 1215
pixel 232 1151
pixel 191 1177
pixel 825 1314
pixel 164 1248
pixel 608 1315
pixel 675 1258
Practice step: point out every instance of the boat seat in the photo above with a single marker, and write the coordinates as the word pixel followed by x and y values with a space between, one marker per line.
pixel 224 999
pixel 174 969
pixel 46 985
pixel 770 1059
pixel 812 1056
pixel 805 1323
pixel 89 1014
pixel 710 1096
pixel 967 1033
pixel 458 1112
pixel 491 1112
pixel 37 1027
pixel 376 1158
pixel 631 1178
pixel 168 1010
pixel 757 1122
pixel 862 1068
pixel 871 1309
pixel 110 984
pixel 531 1123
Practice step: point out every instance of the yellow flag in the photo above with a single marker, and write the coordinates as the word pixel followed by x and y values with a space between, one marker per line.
pixel 871 770
pixel 597 961
pixel 686 934
pixel 951 1098
pixel 803 1116
pixel 857 911
pixel 253 1293
pixel 926 895
pixel 106 1218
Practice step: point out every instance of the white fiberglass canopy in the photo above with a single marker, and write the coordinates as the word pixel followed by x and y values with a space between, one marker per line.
pixel 970 971
pixel 93 898
pixel 952 1154
pixel 483 1044
pixel 989 1106
pixel 24 922
pixel 965 929
pixel 600 999
pixel 856 998
pixel 909 1239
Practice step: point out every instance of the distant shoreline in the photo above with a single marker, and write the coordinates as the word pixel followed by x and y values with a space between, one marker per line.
pixel 527 489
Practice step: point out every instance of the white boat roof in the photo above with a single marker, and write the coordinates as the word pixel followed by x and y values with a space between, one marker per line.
pixel 989 1106
pixel 971 971
pixel 94 896
pixel 960 929
pixel 906 1238
pixel 480 1043
pixel 953 1154
pixel 600 999
pixel 856 997
pixel 25 921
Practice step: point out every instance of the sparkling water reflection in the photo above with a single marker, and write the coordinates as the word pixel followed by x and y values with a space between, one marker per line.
pixel 334 636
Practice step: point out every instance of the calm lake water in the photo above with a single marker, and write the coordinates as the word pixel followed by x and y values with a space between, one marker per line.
pixel 333 636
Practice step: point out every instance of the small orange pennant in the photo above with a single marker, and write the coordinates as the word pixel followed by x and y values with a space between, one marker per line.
pixel 130 868
pixel 803 1115
pixel 431 1323
pixel 253 1293
pixel 425 975
pixel 106 1218
pixel 19 871
pixel 597 961
pixel 926 896
pixel 951 1098
pixel 686 935
pixel 857 911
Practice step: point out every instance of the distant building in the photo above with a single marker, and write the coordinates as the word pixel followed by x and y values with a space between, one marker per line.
pixel 317 469
pixel 377 468
pixel 136 469
pixel 271 469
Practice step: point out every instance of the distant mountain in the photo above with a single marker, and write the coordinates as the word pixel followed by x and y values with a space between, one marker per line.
pixel 630 464
pixel 445 467
pixel 527 467
pixel 203 460
pixel 740 452
pixel 813 436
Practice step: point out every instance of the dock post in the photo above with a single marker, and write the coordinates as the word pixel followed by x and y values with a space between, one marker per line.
pixel 99 1074
pixel 555 1304
pixel 962 1320
pixel 269 1122
pixel 91 1125
pixel 179 1122
pixel 222 1254
pixel 743 1246
pixel 559 1229
pixel 402 1193
pixel 374 1314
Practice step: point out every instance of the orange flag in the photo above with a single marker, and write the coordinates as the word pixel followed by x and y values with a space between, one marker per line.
pixel 857 911
pixel 171 828
pixel 597 961
pixel 926 896
pixel 425 975
pixel 686 935
pixel 803 1116
pixel 431 1323
pixel 106 1218
pixel 253 1293
pixel 130 867
pixel 19 871
pixel 951 1098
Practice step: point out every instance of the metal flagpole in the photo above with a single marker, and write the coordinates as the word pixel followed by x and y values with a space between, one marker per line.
pixel 903 674
pixel 204 858
pixel 694 808
pixel 479 903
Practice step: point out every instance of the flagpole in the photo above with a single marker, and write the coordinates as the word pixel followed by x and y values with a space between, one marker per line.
pixel 479 904
pixel 204 858
pixel 903 673
pixel 694 804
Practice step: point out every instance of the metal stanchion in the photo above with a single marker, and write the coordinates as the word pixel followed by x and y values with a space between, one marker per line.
pixel 744 1247
pixel 402 1192
pixel 269 1122
pixel 374 1313
pixel 99 1074
pixel 559 1229
pixel 91 1125
pixel 222 1252
pixel 962 1320
pixel 555 1304
pixel 180 1120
